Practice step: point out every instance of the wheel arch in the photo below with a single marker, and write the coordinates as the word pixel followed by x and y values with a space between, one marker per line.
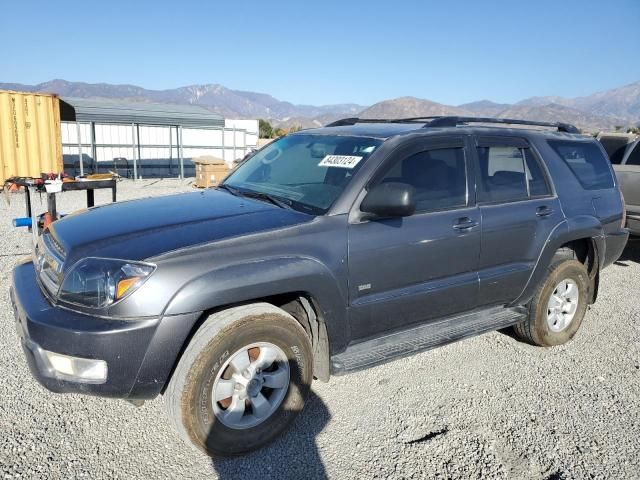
pixel 301 305
pixel 584 236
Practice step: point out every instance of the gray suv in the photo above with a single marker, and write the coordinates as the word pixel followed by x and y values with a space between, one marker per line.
pixel 326 252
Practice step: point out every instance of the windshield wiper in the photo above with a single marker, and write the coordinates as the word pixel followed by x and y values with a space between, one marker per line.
pixel 257 195
pixel 231 190
pixel 265 196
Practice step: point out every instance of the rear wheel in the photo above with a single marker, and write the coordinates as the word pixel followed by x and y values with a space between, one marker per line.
pixel 241 381
pixel 559 305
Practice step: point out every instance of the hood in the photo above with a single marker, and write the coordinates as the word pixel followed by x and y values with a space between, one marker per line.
pixel 140 229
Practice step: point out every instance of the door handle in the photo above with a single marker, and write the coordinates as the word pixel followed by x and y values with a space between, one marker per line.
pixel 465 223
pixel 544 211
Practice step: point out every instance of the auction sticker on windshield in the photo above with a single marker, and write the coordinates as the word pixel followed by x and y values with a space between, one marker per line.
pixel 340 161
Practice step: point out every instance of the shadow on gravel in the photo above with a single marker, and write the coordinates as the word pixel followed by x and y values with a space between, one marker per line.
pixel 295 455
pixel 631 253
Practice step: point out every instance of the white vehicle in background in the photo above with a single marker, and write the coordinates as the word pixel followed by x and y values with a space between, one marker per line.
pixel 624 153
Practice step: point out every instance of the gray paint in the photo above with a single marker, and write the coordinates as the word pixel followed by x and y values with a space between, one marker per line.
pixel 629 178
pixel 213 249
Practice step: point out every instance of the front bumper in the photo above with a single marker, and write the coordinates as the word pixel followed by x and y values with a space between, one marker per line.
pixel 139 353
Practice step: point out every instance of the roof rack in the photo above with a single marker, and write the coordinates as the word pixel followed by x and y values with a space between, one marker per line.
pixel 454 121
pixel 353 120
pixel 343 121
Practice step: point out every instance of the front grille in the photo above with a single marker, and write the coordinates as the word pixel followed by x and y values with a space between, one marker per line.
pixel 49 259
pixel 54 245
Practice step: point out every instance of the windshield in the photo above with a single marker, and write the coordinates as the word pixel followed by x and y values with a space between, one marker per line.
pixel 307 172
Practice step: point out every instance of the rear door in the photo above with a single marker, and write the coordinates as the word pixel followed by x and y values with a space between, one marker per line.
pixel 404 271
pixel 518 210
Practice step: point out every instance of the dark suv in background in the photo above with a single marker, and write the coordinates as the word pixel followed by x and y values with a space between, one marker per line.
pixel 328 251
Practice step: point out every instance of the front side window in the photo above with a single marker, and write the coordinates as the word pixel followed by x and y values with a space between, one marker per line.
pixel 586 161
pixel 438 177
pixel 509 174
pixel 307 172
pixel 537 179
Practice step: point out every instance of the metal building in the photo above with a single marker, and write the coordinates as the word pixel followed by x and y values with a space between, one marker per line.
pixel 145 139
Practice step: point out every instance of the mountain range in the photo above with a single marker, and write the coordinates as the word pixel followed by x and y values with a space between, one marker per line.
pixel 602 110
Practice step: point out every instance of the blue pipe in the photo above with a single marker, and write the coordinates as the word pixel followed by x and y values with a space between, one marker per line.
pixel 22 222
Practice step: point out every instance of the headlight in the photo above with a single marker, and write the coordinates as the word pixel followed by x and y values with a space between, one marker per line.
pixel 99 282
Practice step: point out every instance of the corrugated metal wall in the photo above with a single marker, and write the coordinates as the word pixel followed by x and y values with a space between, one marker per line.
pixel 30 140
pixel 159 142
pixel 34 140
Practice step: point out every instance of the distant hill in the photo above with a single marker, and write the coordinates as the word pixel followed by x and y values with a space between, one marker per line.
pixel 554 112
pixel 484 107
pixel 602 110
pixel 619 104
pixel 622 102
pixel 214 97
pixel 406 107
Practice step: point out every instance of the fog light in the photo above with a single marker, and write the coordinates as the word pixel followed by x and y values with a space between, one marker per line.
pixel 79 369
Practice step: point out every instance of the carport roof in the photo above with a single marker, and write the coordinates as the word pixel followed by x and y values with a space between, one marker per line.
pixel 119 111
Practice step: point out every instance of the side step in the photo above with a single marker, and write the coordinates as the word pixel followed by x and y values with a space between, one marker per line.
pixel 424 337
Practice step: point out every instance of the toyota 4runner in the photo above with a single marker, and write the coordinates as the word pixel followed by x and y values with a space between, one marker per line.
pixel 328 251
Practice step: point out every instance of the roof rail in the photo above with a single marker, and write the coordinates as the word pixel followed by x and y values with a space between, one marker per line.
pixel 353 120
pixel 455 121
pixel 343 121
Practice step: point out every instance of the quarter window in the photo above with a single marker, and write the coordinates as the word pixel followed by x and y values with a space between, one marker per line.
pixel 438 177
pixel 509 174
pixel 586 161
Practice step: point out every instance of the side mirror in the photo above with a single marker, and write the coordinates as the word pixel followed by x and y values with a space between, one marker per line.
pixel 390 200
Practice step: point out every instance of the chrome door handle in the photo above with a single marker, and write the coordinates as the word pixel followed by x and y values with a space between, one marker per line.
pixel 465 223
pixel 544 211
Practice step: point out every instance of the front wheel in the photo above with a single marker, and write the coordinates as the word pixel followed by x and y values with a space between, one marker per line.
pixel 241 381
pixel 559 305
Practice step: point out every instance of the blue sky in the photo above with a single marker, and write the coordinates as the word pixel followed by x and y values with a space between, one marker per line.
pixel 330 51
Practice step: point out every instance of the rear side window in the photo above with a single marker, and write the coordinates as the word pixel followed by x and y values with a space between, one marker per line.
pixel 509 174
pixel 587 163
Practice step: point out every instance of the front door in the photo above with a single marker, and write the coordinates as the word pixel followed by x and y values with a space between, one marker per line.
pixel 409 270
pixel 519 211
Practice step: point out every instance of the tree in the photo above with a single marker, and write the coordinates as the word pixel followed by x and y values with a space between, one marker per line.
pixel 618 128
pixel 266 130
pixel 295 128
pixel 279 132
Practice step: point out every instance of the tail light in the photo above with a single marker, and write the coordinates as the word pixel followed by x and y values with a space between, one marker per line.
pixel 624 211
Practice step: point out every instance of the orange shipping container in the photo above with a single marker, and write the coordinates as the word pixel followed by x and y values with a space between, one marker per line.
pixel 30 140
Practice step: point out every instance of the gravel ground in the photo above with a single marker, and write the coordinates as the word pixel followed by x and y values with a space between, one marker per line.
pixel 488 407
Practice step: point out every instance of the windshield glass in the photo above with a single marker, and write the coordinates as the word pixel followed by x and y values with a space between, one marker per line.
pixel 308 172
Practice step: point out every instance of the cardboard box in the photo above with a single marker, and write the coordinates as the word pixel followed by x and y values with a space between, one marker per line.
pixel 211 178
pixel 210 171
pixel 208 160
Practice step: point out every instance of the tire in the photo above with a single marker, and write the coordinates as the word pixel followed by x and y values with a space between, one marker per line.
pixel 543 331
pixel 210 363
